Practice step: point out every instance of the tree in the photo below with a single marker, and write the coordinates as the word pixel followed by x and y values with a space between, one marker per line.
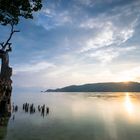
pixel 11 11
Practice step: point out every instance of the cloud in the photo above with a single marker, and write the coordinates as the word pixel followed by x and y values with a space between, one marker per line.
pixel 111 38
pixel 106 55
pixel 108 43
pixel 103 38
pixel 71 71
pixel 86 2
pixel 108 32
pixel 34 67
pixel 51 18
pixel 32 74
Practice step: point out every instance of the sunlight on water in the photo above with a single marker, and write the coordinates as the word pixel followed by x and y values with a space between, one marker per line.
pixel 128 104
pixel 77 116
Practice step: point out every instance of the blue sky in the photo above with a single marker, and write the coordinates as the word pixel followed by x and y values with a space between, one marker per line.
pixel 75 42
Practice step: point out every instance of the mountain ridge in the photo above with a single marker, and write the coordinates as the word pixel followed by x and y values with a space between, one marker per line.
pixel 101 87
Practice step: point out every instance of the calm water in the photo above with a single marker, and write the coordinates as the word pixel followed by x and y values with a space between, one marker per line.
pixel 76 116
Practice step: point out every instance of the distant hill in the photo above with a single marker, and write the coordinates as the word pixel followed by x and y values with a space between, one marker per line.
pixel 101 87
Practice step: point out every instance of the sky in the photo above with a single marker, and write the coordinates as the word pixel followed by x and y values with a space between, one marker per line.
pixel 76 42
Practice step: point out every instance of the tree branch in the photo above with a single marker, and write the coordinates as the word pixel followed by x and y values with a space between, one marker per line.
pixel 2 44
pixel 11 34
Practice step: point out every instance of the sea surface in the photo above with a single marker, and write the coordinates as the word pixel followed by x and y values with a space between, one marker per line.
pixel 75 116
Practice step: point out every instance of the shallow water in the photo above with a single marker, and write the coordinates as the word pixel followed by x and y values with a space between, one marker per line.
pixel 76 116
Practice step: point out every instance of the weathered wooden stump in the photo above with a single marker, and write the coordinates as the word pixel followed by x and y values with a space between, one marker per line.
pixel 5 84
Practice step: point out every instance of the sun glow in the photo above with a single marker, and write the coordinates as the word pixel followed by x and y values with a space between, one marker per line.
pixel 126 77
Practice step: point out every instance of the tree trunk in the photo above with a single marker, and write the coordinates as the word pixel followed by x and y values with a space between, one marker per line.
pixel 5 85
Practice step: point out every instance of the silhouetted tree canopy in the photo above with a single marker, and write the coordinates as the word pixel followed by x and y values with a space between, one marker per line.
pixel 10 13
pixel 12 10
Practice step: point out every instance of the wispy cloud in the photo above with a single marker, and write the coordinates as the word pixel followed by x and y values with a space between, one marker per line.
pixel 34 67
pixel 108 54
pixel 49 18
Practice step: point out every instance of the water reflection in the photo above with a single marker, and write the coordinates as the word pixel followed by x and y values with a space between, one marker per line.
pixel 128 104
pixel 3 126
pixel 80 116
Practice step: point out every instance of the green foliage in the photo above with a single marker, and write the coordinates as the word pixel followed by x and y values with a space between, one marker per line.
pixel 12 10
